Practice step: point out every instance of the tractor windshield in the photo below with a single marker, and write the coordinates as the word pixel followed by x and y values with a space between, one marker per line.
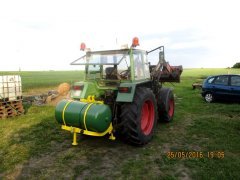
pixel 106 65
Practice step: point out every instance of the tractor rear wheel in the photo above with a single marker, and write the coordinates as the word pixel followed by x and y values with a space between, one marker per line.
pixel 139 117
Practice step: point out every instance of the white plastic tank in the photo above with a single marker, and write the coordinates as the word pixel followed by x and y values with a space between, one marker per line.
pixel 10 87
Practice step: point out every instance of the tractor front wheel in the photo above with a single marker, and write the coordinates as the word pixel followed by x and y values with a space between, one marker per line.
pixel 166 105
pixel 139 117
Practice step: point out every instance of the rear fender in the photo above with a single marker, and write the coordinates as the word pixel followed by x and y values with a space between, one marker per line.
pixel 126 96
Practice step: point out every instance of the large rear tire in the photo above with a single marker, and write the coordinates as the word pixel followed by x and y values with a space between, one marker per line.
pixel 139 118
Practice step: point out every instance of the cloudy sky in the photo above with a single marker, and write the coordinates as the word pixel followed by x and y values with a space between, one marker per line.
pixel 46 34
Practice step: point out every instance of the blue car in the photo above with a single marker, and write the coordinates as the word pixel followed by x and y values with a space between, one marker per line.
pixel 225 87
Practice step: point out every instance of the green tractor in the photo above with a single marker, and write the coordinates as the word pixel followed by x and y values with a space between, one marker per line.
pixel 121 95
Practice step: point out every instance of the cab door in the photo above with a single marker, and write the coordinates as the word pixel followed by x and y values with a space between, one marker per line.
pixel 141 65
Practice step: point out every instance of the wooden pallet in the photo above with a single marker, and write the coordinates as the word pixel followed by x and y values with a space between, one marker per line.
pixel 11 109
pixel 18 98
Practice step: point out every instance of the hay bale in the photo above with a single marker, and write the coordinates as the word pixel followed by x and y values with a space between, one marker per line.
pixel 63 88
pixel 49 99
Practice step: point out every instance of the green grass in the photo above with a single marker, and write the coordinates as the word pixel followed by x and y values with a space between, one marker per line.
pixel 207 72
pixel 42 79
pixel 34 147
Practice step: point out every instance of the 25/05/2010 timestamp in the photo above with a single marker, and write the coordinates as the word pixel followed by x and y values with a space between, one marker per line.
pixel 195 154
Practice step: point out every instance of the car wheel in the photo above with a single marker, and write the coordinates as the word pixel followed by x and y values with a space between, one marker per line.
pixel 209 97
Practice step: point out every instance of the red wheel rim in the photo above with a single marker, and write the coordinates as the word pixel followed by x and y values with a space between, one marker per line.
pixel 147 115
pixel 171 108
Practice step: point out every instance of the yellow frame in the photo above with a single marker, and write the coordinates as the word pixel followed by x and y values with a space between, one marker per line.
pixel 76 130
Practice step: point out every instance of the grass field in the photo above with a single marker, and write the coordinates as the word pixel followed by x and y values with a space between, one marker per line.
pixel 33 146
pixel 42 79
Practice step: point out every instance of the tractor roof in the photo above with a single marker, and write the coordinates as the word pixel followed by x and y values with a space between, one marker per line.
pixel 106 52
pixel 99 57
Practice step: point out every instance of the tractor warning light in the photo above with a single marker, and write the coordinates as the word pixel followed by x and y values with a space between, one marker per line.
pixel 82 46
pixel 135 42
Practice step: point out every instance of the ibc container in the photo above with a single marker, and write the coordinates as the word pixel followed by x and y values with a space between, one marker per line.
pixel 10 87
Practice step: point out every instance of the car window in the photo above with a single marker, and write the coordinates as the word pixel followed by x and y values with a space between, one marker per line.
pixel 235 80
pixel 221 80
pixel 210 80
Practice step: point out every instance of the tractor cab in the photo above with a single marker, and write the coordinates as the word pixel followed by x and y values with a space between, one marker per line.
pixel 109 69
pixel 115 65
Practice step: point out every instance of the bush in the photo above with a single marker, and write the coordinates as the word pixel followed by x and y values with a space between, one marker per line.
pixel 237 65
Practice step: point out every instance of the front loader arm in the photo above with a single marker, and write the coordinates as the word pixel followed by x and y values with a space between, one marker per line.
pixel 163 72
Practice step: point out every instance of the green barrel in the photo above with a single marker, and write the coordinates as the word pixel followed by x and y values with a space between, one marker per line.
pixel 98 116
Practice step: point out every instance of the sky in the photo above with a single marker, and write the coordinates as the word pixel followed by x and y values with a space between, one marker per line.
pixel 46 34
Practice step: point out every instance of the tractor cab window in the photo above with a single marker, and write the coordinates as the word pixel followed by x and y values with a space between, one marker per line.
pixel 146 66
pixel 124 69
pixel 141 65
pixel 106 65
pixel 115 65
pixel 119 71
pixel 110 72
pixel 93 71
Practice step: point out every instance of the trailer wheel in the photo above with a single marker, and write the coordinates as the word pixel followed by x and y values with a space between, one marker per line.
pixel 166 105
pixel 139 118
